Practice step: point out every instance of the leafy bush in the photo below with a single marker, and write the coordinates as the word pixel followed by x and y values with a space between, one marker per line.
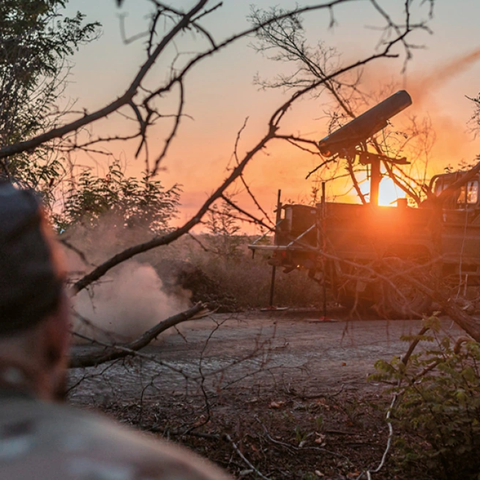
pixel 129 202
pixel 437 412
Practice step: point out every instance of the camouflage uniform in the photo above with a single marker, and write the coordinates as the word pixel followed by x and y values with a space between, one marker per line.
pixel 45 441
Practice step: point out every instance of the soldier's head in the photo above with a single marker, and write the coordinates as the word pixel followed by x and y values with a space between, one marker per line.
pixel 33 305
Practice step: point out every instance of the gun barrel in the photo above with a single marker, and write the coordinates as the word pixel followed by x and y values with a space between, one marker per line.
pixel 365 125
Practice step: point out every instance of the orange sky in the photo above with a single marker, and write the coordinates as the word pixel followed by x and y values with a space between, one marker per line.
pixel 220 95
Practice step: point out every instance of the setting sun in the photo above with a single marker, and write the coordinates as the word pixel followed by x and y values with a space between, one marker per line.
pixel 389 193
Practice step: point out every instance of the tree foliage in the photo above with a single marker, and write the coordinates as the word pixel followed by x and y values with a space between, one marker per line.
pixel 128 201
pixel 36 42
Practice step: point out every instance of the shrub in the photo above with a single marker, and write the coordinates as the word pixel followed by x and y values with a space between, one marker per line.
pixel 128 202
pixel 437 412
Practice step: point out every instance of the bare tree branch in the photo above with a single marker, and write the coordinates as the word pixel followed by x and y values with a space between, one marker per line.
pixel 119 351
pixel 131 91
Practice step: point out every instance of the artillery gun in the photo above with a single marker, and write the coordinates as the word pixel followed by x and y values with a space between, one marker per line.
pixel 368 254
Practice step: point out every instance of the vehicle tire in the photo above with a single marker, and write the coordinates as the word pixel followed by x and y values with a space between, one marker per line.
pixel 396 296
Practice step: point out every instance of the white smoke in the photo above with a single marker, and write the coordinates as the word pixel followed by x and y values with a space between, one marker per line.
pixel 125 303
pixel 129 299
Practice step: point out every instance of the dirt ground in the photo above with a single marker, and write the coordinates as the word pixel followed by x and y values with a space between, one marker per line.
pixel 283 390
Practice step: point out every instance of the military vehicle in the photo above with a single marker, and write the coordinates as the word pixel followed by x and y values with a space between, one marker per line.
pixel 372 255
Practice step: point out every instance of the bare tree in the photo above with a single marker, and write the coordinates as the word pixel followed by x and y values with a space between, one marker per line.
pixel 343 97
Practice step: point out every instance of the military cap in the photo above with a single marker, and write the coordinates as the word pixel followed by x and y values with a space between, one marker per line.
pixel 30 278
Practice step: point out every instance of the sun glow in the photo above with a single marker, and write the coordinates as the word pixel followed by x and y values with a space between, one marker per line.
pixel 389 193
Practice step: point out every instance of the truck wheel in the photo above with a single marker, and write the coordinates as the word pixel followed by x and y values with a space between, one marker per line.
pixel 396 296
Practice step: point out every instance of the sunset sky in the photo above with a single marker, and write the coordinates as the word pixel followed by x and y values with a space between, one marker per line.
pixel 220 93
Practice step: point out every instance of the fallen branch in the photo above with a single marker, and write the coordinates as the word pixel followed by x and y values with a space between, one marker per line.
pixel 470 324
pixel 114 352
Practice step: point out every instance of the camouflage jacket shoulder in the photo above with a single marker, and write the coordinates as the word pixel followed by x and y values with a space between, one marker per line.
pixel 47 441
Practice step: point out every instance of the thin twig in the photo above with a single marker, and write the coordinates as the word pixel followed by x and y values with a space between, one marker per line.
pixel 242 456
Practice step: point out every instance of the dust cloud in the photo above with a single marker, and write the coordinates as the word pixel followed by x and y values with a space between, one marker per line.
pixel 125 304
pixel 129 299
